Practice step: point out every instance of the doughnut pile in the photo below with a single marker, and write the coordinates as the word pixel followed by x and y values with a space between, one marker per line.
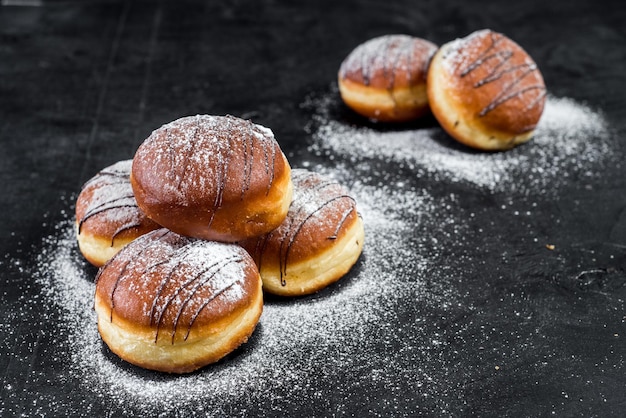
pixel 484 90
pixel 209 215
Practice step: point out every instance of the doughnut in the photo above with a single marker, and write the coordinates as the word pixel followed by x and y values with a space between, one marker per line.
pixel 175 304
pixel 486 91
pixel 217 178
pixel 107 215
pixel 316 245
pixel 384 79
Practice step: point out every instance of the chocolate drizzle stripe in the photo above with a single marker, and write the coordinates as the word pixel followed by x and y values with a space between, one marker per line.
pixel 222 173
pixel 106 206
pixel 297 175
pixel 501 99
pixel 367 62
pixel 402 51
pixel 295 231
pixel 301 177
pixel 219 265
pixel 126 227
pixel 494 76
pixel 205 304
pixel 259 248
pixel 145 246
pixel 503 55
pixel 182 254
pixel 323 185
pixel 171 153
pixel 409 55
pixel 250 144
pixel 270 163
pixel 537 100
pixel 282 259
pixel 388 71
pixel 214 295
pixel 247 164
pixel 113 177
pixel 340 224
pixel 158 317
pixel 155 265
pixel 188 153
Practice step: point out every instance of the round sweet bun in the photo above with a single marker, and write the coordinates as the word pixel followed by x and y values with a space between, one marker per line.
pixel 318 243
pixel 486 91
pixel 218 178
pixel 107 215
pixel 384 79
pixel 175 304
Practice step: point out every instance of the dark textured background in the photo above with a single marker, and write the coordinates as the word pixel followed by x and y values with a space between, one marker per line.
pixel 83 83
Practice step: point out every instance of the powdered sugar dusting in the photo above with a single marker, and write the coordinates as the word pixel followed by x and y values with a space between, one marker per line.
pixel 460 52
pixel 293 339
pixel 570 140
pixel 397 58
pixel 318 212
pixel 176 279
pixel 110 196
pixel 352 328
pixel 192 160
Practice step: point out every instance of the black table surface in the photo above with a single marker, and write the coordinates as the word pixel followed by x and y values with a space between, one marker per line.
pixel 516 289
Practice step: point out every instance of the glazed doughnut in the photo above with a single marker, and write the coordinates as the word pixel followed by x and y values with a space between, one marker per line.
pixel 107 215
pixel 384 79
pixel 318 243
pixel 218 178
pixel 486 91
pixel 175 304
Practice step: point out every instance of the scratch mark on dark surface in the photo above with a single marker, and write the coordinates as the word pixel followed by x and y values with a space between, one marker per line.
pixel 121 23
pixel 156 24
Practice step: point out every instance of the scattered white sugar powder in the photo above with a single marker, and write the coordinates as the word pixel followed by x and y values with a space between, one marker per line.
pixel 388 363
pixel 295 341
pixel 570 140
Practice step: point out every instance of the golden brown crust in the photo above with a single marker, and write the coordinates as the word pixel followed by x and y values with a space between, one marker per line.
pixel 107 215
pixel 318 243
pixel 172 303
pixel 486 91
pixel 213 177
pixel 385 78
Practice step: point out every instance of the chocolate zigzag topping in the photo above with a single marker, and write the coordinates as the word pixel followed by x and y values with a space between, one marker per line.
pixel 295 230
pixel 113 177
pixel 393 48
pixel 175 290
pixel 313 196
pixel 199 280
pixel 270 161
pixel 145 246
pixel 512 89
pixel 224 163
pixel 112 191
pixel 222 136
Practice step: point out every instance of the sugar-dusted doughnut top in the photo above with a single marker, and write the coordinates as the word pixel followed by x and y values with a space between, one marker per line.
pixel 212 177
pixel 321 213
pixel 173 287
pixel 493 80
pixel 388 62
